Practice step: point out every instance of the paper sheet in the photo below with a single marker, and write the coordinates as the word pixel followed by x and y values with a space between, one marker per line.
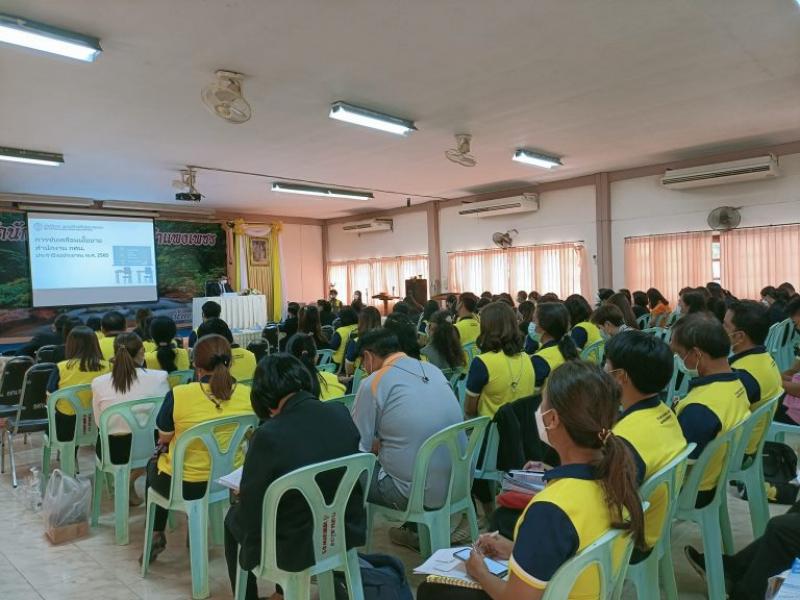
pixel 231 480
pixel 445 564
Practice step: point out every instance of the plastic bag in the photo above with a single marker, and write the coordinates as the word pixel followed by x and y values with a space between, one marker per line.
pixel 66 501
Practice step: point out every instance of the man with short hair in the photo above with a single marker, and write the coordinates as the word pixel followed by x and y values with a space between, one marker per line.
pixel 399 405
pixel 52 337
pixel 333 298
pixel 642 365
pixel 609 320
pixel 747 325
pixel 209 310
pixel 289 324
pixel 219 287
pixel 468 326
pixel 112 324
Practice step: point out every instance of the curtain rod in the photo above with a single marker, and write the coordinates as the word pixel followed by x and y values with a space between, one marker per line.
pixel 575 243
pixel 711 231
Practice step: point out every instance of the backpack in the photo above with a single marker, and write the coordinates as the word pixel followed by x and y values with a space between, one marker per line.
pixel 780 468
pixel 383 577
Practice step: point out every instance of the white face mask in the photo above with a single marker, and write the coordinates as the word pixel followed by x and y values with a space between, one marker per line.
pixel 532 331
pixel 540 426
pixel 690 372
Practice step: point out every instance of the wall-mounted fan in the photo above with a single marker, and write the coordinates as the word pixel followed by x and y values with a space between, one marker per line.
pixel 224 98
pixel 724 218
pixel 504 240
pixel 460 154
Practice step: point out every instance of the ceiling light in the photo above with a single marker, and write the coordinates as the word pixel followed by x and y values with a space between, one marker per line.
pixel 308 190
pixel 537 159
pixel 30 34
pixel 31 157
pixel 341 111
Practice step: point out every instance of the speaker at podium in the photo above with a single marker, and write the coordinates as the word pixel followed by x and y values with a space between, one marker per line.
pixel 417 288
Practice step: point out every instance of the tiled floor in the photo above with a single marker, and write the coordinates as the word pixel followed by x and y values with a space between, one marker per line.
pixel 94 568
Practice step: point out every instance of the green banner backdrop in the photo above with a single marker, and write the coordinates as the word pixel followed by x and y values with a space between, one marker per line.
pixel 187 254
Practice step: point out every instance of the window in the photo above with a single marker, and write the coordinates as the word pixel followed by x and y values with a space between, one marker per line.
pixel 557 268
pixel 373 276
pixel 742 261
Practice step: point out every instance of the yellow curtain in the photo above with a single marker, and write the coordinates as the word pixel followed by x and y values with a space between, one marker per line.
pixel 267 279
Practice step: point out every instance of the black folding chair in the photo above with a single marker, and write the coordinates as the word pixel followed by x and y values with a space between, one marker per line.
pixel 50 354
pixel 31 414
pixel 11 383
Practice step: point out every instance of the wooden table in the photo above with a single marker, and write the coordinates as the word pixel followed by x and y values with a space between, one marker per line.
pixel 385 297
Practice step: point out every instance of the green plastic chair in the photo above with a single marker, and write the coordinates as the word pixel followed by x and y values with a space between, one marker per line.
pixel 460 390
pixel 142 424
pixel 214 501
pixel 662 333
pixel 435 533
pixel 643 322
pixel 487 470
pixel 85 433
pixel 778 431
pixel 471 350
pixel 708 517
pixel 327 368
pixel 324 357
pixel 180 377
pixel 600 554
pixel 348 400
pixel 247 382
pixel 594 352
pixel 780 343
pixel 750 474
pixel 358 376
pixel 330 550
pixel 678 385
pixel 657 571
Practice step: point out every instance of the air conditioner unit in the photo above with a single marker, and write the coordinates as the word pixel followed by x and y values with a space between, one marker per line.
pixel 748 169
pixel 371 226
pixel 527 203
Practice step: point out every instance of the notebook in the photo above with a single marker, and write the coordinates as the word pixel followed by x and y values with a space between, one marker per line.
pixel 443 567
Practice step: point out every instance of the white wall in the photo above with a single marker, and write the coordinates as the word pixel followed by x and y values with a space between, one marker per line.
pixel 302 262
pixel 564 216
pixel 641 206
pixel 410 236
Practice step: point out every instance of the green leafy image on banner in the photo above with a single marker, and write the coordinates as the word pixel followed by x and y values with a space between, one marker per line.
pixel 187 255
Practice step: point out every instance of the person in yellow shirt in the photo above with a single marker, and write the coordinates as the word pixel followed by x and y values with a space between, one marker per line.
pixel 467 324
pixel 167 356
pixel 642 366
pixel 243 362
pixel 214 396
pixel 112 324
pixel 551 325
pixel 83 363
pixel 501 373
pixel 584 333
pixel 593 491
pixel 144 316
pixel 747 325
pixel 94 323
pixel 326 385
pixel 348 324
pixel 718 398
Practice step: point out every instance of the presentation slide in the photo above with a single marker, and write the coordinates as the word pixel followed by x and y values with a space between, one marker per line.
pixel 89 259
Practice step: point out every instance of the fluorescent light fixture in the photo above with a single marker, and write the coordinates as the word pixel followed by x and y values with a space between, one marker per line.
pixel 41 201
pixel 86 211
pixel 126 205
pixel 537 159
pixel 30 34
pixel 341 111
pixel 308 190
pixel 31 157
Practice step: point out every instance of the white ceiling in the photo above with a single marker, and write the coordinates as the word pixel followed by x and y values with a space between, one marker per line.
pixel 607 85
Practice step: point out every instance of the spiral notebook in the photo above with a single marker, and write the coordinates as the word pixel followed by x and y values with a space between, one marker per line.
pixel 444 568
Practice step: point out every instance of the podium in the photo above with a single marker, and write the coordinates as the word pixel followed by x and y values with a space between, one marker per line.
pixel 239 312
pixel 417 288
pixel 383 296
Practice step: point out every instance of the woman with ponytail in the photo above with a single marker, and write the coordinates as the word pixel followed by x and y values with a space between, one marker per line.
pixel 594 490
pixel 552 325
pixel 128 380
pixel 215 395
pixel 324 385
pixel 167 356
pixel 84 362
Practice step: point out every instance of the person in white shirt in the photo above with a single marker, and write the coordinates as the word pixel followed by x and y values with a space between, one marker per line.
pixel 128 380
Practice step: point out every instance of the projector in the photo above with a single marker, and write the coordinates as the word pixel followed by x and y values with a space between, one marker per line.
pixel 188 197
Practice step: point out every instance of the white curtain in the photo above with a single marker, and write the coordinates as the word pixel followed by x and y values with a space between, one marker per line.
pixel 373 276
pixel 559 268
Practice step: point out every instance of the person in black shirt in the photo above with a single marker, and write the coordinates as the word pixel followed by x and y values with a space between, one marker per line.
pixel 289 324
pixel 50 337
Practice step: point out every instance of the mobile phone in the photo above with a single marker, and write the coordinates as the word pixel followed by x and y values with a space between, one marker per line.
pixel 495 568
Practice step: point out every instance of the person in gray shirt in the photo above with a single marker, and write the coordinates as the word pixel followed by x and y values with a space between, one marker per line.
pixel 444 346
pixel 399 405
